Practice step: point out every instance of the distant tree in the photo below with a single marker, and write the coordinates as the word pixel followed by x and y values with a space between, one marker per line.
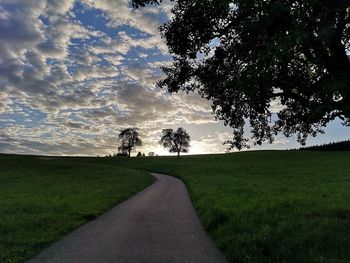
pixel 129 140
pixel 177 142
pixel 143 155
pixel 122 152
pixel 151 154
pixel 244 55
pixel 139 154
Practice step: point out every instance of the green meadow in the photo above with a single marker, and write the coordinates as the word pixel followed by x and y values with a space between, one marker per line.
pixel 264 206
pixel 42 199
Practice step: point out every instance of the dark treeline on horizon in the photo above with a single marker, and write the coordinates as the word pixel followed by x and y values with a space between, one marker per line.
pixel 333 146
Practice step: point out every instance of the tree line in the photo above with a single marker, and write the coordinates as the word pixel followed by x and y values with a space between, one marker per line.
pixel 333 146
pixel 177 141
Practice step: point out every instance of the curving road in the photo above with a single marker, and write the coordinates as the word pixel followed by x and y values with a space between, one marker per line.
pixel 158 224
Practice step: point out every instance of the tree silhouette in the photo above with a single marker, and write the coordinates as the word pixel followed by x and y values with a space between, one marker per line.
pixel 244 55
pixel 333 146
pixel 178 141
pixel 129 140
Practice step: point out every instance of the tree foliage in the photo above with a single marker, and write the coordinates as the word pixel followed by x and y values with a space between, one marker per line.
pixel 244 55
pixel 177 142
pixel 129 140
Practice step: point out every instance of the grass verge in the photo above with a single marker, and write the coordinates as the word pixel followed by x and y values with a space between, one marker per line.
pixel 42 199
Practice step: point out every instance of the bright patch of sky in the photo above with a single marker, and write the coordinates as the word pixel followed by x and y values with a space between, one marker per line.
pixel 74 73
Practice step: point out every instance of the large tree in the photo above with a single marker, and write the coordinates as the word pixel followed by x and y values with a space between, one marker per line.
pixel 244 55
pixel 176 141
pixel 130 139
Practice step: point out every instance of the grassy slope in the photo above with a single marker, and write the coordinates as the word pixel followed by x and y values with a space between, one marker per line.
pixel 269 206
pixel 43 199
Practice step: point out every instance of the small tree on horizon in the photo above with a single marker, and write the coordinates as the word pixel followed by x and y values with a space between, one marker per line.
pixel 130 140
pixel 177 142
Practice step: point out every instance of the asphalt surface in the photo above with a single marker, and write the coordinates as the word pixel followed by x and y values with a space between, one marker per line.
pixel 158 224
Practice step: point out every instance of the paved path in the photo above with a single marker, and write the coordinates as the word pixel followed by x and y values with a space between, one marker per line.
pixel 158 224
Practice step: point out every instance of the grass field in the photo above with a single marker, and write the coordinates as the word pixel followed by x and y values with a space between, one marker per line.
pixel 268 206
pixel 42 199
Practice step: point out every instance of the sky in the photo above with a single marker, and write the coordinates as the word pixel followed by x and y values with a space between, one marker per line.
pixel 74 73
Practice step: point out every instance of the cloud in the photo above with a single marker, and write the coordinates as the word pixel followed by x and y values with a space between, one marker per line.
pixel 121 13
pixel 68 85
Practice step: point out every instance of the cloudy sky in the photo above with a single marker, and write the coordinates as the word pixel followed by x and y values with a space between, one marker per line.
pixel 73 73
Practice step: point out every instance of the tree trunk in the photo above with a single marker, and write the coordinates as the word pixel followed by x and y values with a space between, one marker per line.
pixel 178 154
pixel 129 152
